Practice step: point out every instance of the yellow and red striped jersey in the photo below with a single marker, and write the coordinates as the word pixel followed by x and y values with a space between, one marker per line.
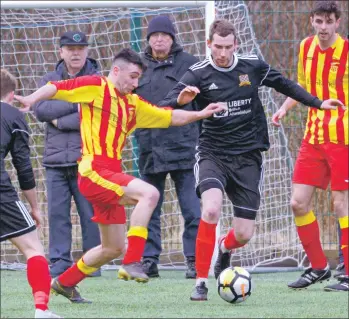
pixel 324 73
pixel 106 116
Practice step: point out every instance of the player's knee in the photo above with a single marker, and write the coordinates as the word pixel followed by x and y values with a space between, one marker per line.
pixel 299 207
pixel 151 196
pixel 211 214
pixel 243 236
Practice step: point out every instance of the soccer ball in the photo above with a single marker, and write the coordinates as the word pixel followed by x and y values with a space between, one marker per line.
pixel 234 284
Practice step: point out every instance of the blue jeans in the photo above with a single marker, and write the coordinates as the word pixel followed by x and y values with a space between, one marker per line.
pixel 340 253
pixel 189 203
pixel 62 185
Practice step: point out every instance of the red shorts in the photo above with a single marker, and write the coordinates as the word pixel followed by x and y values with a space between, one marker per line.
pixel 101 186
pixel 318 164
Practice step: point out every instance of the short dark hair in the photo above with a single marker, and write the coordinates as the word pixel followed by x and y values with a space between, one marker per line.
pixel 130 56
pixel 223 28
pixel 8 83
pixel 326 8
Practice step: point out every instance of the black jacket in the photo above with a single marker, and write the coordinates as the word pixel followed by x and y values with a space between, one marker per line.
pixel 62 143
pixel 14 140
pixel 163 150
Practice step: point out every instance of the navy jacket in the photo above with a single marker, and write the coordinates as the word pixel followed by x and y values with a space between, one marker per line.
pixel 62 143
pixel 164 150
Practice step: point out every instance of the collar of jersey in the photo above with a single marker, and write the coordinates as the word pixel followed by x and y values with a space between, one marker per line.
pixel 333 46
pixel 235 62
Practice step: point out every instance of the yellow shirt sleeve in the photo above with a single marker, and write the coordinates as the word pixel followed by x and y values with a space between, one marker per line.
pixel 301 75
pixel 149 115
pixel 83 89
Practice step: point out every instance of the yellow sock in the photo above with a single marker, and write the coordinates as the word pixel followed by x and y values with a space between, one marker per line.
pixel 138 231
pixel 87 270
pixel 306 219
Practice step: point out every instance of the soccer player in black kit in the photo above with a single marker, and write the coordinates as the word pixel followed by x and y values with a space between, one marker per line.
pixel 16 223
pixel 229 150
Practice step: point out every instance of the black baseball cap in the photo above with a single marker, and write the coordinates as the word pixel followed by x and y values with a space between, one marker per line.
pixel 73 38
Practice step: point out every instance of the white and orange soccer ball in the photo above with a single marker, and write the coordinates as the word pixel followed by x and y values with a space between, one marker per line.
pixel 234 284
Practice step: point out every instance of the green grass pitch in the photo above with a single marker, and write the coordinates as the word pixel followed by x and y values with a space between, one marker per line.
pixel 168 297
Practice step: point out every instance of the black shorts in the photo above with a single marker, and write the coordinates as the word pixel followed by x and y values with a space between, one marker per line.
pixel 240 176
pixel 15 220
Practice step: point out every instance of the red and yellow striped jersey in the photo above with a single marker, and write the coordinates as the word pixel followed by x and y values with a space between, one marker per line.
pixel 106 116
pixel 324 73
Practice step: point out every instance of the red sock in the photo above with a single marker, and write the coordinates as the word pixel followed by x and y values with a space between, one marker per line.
pixel 39 279
pixel 344 243
pixel 230 241
pixel 205 242
pixel 135 249
pixel 310 237
pixel 137 237
pixel 76 273
pixel 72 276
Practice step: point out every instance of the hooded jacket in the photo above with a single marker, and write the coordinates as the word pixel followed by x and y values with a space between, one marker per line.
pixel 164 150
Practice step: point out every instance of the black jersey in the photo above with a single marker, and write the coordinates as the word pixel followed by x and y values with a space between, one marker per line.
pixel 243 127
pixel 14 139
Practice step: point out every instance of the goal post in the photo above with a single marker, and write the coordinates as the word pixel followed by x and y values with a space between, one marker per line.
pixel 30 32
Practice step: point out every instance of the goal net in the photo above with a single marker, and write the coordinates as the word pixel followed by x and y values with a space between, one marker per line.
pixel 29 49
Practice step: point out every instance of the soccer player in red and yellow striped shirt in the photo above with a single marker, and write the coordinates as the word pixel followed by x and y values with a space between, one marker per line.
pixel 323 156
pixel 109 112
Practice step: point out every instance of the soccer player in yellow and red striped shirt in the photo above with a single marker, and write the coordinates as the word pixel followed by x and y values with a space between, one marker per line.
pixel 109 112
pixel 323 156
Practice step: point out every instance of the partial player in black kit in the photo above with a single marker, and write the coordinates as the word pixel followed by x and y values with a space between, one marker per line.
pixel 16 223
pixel 229 151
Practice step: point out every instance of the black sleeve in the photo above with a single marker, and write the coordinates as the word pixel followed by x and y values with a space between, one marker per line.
pixel 188 79
pixel 274 79
pixel 20 153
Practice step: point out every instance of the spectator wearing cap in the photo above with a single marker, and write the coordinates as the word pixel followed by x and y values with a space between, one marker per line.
pixel 62 150
pixel 170 151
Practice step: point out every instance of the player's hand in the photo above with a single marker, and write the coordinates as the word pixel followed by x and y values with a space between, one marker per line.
pixel 55 122
pixel 212 108
pixel 332 104
pixel 36 214
pixel 277 116
pixel 187 95
pixel 25 101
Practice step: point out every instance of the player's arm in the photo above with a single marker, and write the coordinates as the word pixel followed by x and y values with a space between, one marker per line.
pixel 184 92
pixel 273 78
pixel 289 102
pixel 82 89
pixel 281 112
pixel 182 117
pixel 152 116
pixel 20 153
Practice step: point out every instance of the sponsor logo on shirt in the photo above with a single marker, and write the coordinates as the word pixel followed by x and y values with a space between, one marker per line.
pixel 234 108
pixel 244 80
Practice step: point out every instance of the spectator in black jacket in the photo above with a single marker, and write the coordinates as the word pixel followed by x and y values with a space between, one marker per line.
pixel 168 151
pixel 16 223
pixel 62 150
